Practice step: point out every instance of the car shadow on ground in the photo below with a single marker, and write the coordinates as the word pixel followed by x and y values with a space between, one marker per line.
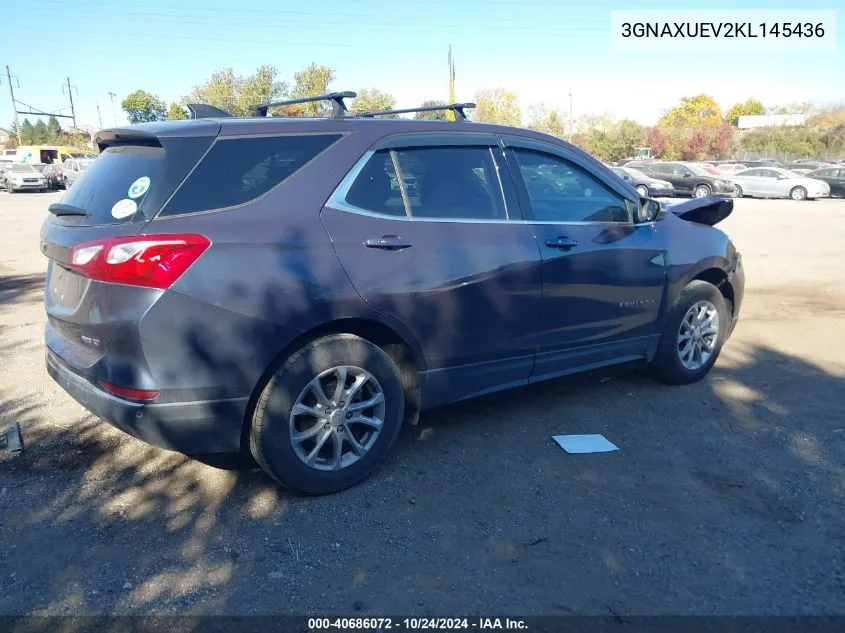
pixel 718 488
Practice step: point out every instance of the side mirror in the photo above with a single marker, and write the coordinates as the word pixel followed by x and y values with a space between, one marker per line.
pixel 648 211
pixel 687 175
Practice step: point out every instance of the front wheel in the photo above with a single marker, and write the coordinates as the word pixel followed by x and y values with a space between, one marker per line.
pixel 642 190
pixel 695 330
pixel 329 415
pixel 701 191
pixel 798 193
pixel 738 191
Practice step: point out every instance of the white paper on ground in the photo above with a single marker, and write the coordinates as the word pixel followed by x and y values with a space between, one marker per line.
pixel 585 443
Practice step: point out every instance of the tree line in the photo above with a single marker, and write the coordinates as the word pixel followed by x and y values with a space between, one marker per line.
pixel 41 133
pixel 694 129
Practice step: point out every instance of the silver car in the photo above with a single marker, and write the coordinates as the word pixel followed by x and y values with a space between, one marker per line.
pixel 773 182
pixel 72 169
pixel 20 177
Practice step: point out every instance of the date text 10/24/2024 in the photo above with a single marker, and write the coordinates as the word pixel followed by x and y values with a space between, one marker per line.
pixel 415 624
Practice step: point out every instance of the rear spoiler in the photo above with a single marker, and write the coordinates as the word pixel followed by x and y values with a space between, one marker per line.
pixel 708 211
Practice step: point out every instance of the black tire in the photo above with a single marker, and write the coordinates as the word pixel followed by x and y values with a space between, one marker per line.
pixel 798 193
pixel 705 188
pixel 666 364
pixel 738 191
pixel 270 441
pixel 641 189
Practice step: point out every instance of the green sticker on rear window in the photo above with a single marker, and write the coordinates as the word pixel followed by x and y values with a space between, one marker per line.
pixel 139 187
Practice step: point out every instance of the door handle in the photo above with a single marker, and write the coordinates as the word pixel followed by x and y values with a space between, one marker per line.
pixel 563 243
pixel 388 243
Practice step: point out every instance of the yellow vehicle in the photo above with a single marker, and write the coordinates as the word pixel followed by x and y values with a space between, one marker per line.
pixel 50 154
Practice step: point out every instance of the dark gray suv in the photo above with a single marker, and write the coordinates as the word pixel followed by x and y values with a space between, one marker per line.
pixel 296 289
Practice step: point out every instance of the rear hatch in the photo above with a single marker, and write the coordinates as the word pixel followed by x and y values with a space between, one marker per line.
pixel 91 311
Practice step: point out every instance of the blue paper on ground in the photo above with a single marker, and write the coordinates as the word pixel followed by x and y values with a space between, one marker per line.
pixel 585 443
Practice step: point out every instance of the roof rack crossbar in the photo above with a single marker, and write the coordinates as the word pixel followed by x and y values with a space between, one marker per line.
pixel 457 108
pixel 339 108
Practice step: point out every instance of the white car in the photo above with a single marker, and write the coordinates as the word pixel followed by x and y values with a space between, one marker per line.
pixel 773 182
pixel 730 168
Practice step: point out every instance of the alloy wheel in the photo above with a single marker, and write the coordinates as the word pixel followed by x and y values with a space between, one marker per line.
pixel 698 335
pixel 337 418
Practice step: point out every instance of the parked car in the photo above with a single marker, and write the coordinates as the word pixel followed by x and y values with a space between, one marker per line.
pixel 645 185
pixel 805 165
pixel 689 179
pixel 4 165
pixel 20 177
pixel 773 182
pixel 833 176
pixel 730 168
pixel 53 174
pixel 73 169
pixel 226 284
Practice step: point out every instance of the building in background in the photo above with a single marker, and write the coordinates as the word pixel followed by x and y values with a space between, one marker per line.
pixel 4 137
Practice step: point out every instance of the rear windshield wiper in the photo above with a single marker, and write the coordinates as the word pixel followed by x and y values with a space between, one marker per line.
pixel 60 208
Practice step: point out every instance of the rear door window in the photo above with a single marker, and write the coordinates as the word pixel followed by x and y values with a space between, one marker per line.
pixel 451 182
pixel 238 170
pixel 377 189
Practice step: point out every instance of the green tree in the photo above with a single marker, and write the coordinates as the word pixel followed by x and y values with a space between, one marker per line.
pixel 41 133
pixel 746 108
pixel 27 133
pixel 797 107
pixel 372 100
pixel 237 94
pixel 12 143
pixel 497 106
pixel 141 107
pixel 544 119
pixel 54 130
pixel 176 113
pixel 435 115
pixel 693 112
pixel 311 81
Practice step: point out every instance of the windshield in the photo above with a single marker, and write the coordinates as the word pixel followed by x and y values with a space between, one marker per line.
pixel 22 168
pixel 83 155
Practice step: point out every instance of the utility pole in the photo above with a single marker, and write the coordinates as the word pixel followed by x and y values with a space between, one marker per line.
pixel 99 116
pixel 14 103
pixel 571 122
pixel 449 114
pixel 70 90
pixel 113 117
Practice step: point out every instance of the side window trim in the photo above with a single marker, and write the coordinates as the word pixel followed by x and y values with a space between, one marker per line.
pixel 525 198
pixel 338 198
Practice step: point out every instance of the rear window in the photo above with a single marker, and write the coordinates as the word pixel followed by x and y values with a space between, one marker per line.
pixel 238 170
pixel 124 176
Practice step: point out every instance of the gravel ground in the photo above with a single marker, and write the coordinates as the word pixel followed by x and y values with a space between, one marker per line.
pixel 727 496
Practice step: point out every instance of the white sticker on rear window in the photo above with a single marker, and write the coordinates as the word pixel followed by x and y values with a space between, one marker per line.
pixel 139 187
pixel 124 208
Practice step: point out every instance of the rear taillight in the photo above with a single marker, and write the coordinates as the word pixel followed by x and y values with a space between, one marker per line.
pixel 151 261
pixel 126 392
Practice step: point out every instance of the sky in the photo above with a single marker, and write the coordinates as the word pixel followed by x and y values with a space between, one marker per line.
pixel 540 49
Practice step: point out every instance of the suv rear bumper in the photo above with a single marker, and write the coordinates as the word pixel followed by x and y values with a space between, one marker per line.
pixel 209 426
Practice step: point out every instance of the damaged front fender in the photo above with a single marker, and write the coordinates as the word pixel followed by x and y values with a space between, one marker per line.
pixel 709 211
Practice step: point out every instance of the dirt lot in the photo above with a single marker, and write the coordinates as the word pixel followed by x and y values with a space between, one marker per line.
pixel 727 497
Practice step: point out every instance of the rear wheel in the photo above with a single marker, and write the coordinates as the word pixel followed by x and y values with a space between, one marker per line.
pixel 738 191
pixel 695 330
pixel 701 191
pixel 329 415
pixel 798 193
